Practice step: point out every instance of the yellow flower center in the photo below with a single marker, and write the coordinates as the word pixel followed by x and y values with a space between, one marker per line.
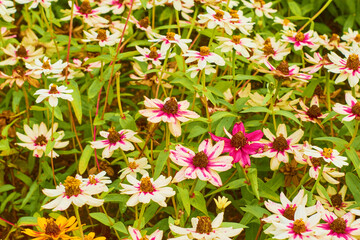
pixel 53 89
pixel 170 36
pixel 85 7
pixel 72 186
pixel 204 225
pixel 133 165
pixel 299 37
pixel 146 186
pixel 353 62
pixel 46 65
pixel 357 38
pixel 41 140
pixel 52 229
pixel 236 39
pixel 286 21
pixel 219 15
pixel 299 226
pixel 289 212
pixel 234 14
pixel 92 180
pixel 338 225
pixel 204 51
pixel 153 53
pixel 114 136
pixel 327 152
pixel 101 35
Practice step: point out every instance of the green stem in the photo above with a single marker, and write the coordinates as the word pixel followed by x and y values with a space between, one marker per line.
pixel 302 182
pixel 318 179
pixel 52 139
pixel 353 137
pixel 311 132
pixel 328 91
pixel 162 73
pixel 178 21
pixel 116 233
pixel 240 169
pixel 233 64
pixel 193 22
pixel 124 156
pixel 76 208
pixel 141 216
pixel 193 187
pixel 316 15
pixel 273 100
pixel 117 76
pixel 212 37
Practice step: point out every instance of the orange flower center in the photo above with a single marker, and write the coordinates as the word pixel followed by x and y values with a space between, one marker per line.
pixel 153 53
pixel 101 35
pixel 219 15
pixel 338 225
pixel 52 229
pixel 204 51
pixel 289 212
pixel 53 89
pixel 299 226
pixel 146 185
pixel 204 225
pixel 114 136
pixel 46 65
pixel 133 165
pixel 72 186
pixel 41 140
pixel 286 21
pixel 92 180
pixel 356 108
pixel 21 52
pixel 85 7
pixel 357 38
pixel 170 36
pixel 236 39
pixel 144 22
pixel 353 62
pixel 299 37
pixel 327 152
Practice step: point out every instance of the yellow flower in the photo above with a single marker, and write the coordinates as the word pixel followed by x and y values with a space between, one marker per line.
pixel 50 229
pixel 91 236
pixel 222 203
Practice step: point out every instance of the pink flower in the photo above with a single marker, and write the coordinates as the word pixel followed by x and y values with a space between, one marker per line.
pixel 284 72
pixel 300 40
pixel 203 164
pixel 239 144
pixel 318 60
pixel 170 111
pixel 312 113
pixel 352 110
pixel 203 57
pixel 136 234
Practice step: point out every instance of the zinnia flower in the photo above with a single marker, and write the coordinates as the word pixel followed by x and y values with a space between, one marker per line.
pixel 203 57
pixel 170 111
pixel 134 167
pixel 54 93
pixel 352 110
pixel 136 234
pixel 50 229
pixel 114 140
pixel 328 154
pixel 240 145
pixel 204 164
pixel 147 189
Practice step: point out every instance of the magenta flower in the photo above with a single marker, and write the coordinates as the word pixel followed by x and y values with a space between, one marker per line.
pixel 300 39
pixel 352 110
pixel 203 164
pixel 240 145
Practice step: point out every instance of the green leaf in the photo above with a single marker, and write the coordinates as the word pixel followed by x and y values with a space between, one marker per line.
pixel 252 174
pixel 236 184
pixel 256 110
pixel 353 182
pixel 128 122
pixel 76 103
pixel 84 159
pixel 294 8
pixel 116 198
pixel 198 202
pixel 6 188
pixel 196 131
pixel 185 199
pixel 119 226
pixel 220 115
pixel 27 221
pixel 34 187
pixel 101 217
pixel 288 115
pixel 255 210
pixel 354 158
pixel 337 141
pixel 95 87
pixel 322 190
pixel 160 163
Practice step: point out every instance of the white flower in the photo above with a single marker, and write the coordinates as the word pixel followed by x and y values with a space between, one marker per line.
pixel 75 191
pixel 134 167
pixel 37 138
pixel 114 140
pixel 54 93
pixel 147 189
pixel 102 36
pixel 328 154
pixel 351 37
pixel 46 67
pixel 136 234
pixel 35 3
pixel 217 18
pixel 286 24
pixel 239 21
pixel 152 55
pixel 203 57
pixel 97 182
pixel 21 52
pixel 269 48
pixel 6 9
pixel 261 8
pixel 203 229
pixel 170 38
pixel 237 43
pixel 195 70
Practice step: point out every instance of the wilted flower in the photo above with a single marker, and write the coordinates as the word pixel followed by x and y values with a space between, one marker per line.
pixel 37 138
pixel 284 72
pixel 54 93
pixel 26 53
pixel 203 165
pixel 318 60
pixel 147 189
pixel 20 76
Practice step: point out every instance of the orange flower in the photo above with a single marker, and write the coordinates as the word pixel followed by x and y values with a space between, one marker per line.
pixel 50 229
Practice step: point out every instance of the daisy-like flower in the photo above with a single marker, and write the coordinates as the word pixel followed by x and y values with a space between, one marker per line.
pixel 91 236
pixel 116 6
pixel 287 208
pixel 204 228
pixel 351 37
pixel 90 15
pixel 240 145
pixel 20 76
pixel 301 227
pixel 328 154
pixel 338 204
pixel 195 70
pixel 134 167
pixel 318 62
pixel 286 24
pixel 261 8
pixel 239 21
pixel 75 191
pixel 330 43
pixel 153 55
pixel 203 57
pixel 6 9
pixel 144 25
pixel 170 39
pixel 47 228
pixel 115 139
pixel 35 3
pixel 222 203
pixel 150 79
pixel 26 53
pixel 204 164
pixel 352 110
pixel 215 18
pixel 170 111
pixel 312 113
pixel 136 234
pixel 102 36
pixel 98 182
pixel 300 39
pixel 348 67
pixel 284 72
pixel 344 227
pixel 37 138
pixel 280 145
pixel 237 43
pixel 46 67
pixel 54 92
pixel 269 48
pixel 147 189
